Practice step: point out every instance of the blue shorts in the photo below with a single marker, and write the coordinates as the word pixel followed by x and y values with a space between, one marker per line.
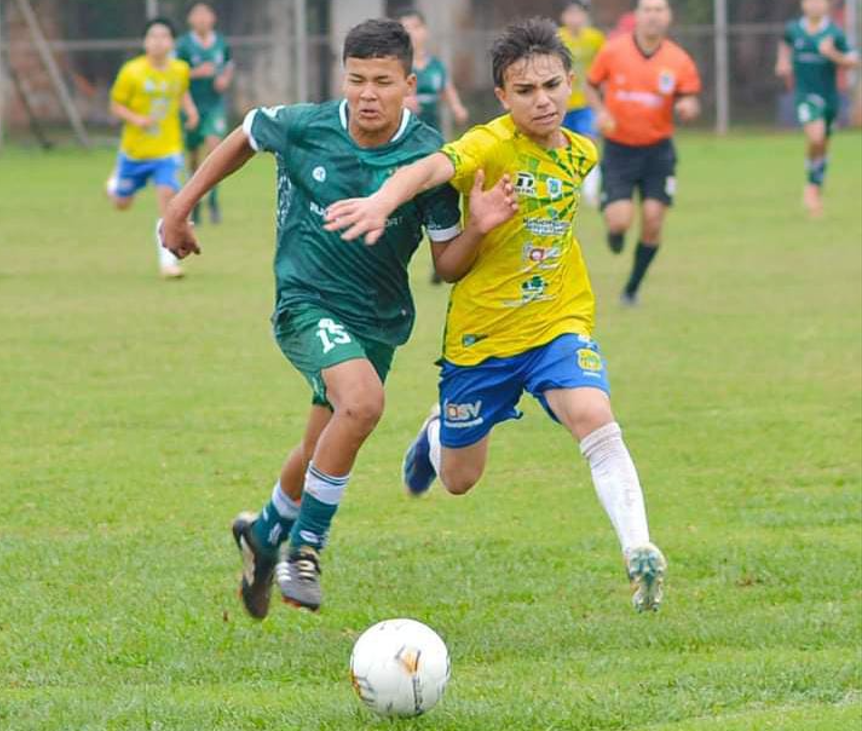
pixel 132 175
pixel 581 121
pixel 475 398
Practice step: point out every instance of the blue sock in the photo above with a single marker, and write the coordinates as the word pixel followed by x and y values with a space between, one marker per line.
pixel 320 499
pixel 276 519
pixel 816 170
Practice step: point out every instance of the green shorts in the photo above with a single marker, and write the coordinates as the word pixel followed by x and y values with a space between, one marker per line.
pixel 313 339
pixel 813 107
pixel 213 123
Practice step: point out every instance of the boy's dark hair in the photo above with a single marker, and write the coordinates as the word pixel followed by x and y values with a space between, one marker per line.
pixel 379 38
pixel 193 5
pixel 160 21
pixel 412 13
pixel 523 39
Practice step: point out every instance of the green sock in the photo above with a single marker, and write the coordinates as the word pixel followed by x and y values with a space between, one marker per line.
pixel 275 521
pixel 320 500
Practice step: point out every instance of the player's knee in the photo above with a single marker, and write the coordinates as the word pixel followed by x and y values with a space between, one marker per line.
pixel 461 480
pixel 121 204
pixel 363 409
pixel 587 420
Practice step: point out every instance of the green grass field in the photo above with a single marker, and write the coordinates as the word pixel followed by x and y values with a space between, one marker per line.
pixel 138 416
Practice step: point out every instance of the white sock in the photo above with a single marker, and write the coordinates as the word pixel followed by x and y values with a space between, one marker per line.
pixel 166 256
pixel 434 442
pixel 286 507
pixel 617 485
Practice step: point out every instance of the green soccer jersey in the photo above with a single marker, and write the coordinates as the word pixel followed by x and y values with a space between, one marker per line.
pixel 814 74
pixel 430 82
pixel 319 163
pixel 190 50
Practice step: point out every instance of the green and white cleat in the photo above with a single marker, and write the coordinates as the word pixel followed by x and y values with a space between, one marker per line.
pixel 646 567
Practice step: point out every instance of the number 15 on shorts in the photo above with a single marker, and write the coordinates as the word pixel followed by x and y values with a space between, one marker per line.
pixel 331 334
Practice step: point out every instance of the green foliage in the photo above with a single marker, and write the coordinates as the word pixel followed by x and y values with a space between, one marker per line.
pixel 138 416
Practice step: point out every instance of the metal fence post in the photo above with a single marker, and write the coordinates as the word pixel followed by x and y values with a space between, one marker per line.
pixel 722 70
pixel 152 8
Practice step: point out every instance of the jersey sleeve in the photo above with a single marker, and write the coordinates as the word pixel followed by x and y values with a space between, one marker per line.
pixel 467 155
pixel 228 54
pixel 268 128
pixel 598 72
pixel 441 214
pixel 788 33
pixel 124 86
pixel 689 78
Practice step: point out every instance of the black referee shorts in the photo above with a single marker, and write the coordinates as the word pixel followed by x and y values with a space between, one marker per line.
pixel 650 169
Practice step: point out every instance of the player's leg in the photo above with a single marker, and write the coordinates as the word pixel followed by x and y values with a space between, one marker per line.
pixel 125 180
pixel 355 391
pixel 210 143
pixel 169 265
pixel 259 536
pixel 453 441
pixel 620 170
pixel 194 163
pixel 657 188
pixel 569 378
pixel 815 164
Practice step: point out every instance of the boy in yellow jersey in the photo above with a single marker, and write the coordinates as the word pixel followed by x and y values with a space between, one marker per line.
pixel 147 95
pixel 521 312
pixel 584 43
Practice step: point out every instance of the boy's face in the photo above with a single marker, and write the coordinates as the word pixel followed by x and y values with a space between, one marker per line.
pixel 375 89
pixel 158 42
pixel 816 9
pixel 575 17
pixel 653 17
pixel 202 19
pixel 535 92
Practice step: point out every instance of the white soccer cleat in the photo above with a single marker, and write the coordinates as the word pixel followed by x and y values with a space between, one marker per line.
pixel 646 567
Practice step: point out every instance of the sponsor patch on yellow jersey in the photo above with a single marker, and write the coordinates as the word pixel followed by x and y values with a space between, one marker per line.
pixel 529 283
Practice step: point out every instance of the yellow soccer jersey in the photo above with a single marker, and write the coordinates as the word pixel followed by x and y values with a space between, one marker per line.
pixel 529 283
pixel 156 93
pixel 584 49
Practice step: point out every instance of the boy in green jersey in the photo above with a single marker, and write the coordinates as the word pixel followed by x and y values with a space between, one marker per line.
pixel 209 56
pixel 809 55
pixel 341 309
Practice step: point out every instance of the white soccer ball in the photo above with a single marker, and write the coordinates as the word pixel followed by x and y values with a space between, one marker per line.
pixel 399 667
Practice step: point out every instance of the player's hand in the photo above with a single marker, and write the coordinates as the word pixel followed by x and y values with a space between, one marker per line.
pixel 192 120
pixel 493 207
pixel 605 122
pixel 687 108
pixel 359 216
pixel 827 47
pixel 221 83
pixel 205 70
pixel 144 122
pixel 177 235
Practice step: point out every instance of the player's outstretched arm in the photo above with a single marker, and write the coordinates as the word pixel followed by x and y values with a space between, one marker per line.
pixel 230 155
pixel 783 65
pixel 488 209
pixel 367 216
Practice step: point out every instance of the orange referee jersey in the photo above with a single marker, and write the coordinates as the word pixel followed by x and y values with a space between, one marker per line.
pixel 640 90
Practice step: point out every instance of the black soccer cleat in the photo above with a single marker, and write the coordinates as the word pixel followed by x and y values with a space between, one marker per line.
pixel 258 567
pixel 299 578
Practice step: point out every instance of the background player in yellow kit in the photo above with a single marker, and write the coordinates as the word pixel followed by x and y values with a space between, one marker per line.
pixel 147 95
pixel 521 312
pixel 584 42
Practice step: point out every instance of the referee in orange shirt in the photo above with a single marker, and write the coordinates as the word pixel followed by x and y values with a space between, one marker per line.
pixel 637 82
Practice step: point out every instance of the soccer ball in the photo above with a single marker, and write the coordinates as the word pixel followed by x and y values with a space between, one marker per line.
pixel 399 667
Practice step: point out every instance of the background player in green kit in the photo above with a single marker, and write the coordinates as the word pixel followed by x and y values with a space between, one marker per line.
pixel 208 55
pixel 341 309
pixel 809 55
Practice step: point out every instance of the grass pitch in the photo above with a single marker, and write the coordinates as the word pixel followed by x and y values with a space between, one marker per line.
pixel 138 416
